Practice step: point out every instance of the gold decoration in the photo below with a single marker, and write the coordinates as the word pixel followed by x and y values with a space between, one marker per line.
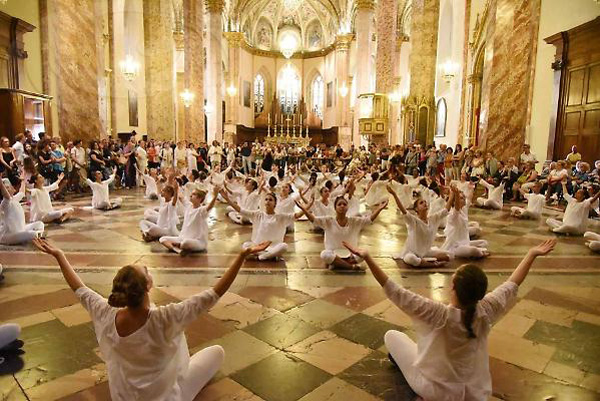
pixel 365 4
pixel 235 39
pixel 342 42
pixel 214 6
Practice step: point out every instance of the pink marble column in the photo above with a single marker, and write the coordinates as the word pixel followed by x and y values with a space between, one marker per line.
pixel 342 45
pixel 193 12
pixel 508 76
pixel 386 45
pixel 364 29
pixel 214 64
pixel 159 71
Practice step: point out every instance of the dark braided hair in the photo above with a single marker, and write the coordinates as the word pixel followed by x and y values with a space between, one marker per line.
pixel 470 285
pixel 129 288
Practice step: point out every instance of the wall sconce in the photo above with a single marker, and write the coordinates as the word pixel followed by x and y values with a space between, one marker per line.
pixel 187 97
pixel 129 68
pixel 449 70
pixel 231 90
pixel 208 109
pixel 343 90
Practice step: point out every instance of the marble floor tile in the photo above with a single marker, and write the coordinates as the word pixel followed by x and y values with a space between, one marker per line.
pixel 226 390
pixel 281 330
pixel 328 352
pixel 10 390
pixel 98 392
pixel 363 329
pixel 514 324
pixel 565 373
pixel 68 384
pixel 315 291
pixel 356 298
pixel 30 320
pixel 320 313
pixel 281 377
pixel 36 304
pixel 240 310
pixel 278 298
pixel 338 390
pixel 206 328
pixel 538 311
pixel 72 315
pixel 518 351
pixel 386 310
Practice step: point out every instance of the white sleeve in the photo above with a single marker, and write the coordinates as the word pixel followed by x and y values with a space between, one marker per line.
pixel 177 316
pixel 568 197
pixel 96 305
pixel 249 214
pixel 321 222
pixel 416 306
pixel 497 302
pixel 52 187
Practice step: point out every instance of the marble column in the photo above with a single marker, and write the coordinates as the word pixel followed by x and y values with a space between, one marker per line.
pixel 234 39
pixel 71 68
pixel 509 76
pixel 193 12
pixel 342 45
pixel 214 90
pixel 160 70
pixel 385 60
pixel 364 31
pixel 423 59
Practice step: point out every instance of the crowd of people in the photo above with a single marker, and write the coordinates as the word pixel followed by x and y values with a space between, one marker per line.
pixel 339 192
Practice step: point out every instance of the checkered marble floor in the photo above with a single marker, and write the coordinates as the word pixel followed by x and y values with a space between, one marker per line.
pixel 291 329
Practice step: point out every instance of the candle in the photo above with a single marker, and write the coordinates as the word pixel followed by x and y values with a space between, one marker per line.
pixel 269 117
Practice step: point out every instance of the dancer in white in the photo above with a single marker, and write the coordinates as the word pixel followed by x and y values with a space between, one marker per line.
pixel 338 228
pixel 495 196
pixel 450 361
pixel 100 193
pixel 575 219
pixel 422 231
pixel 41 205
pixel 144 346
pixel 166 219
pixel 13 229
pixel 266 226
pixel 194 231
pixel 593 240
pixel 150 183
pixel 248 199
pixel 535 204
pixel 458 243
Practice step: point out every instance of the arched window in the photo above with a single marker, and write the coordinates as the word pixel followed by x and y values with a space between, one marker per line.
pixel 259 94
pixel 317 90
pixel 289 90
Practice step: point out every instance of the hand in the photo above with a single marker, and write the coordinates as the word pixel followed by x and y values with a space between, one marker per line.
pixel 384 204
pixel 45 246
pixel 544 248
pixel 363 253
pixel 257 248
pixel 61 176
pixel 390 189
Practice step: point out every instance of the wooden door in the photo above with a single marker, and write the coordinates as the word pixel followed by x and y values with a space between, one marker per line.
pixel 581 116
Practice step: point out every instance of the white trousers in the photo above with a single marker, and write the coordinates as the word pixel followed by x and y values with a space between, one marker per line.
pixel 557 226
pixel 187 244
pixel 404 352
pixel 474 229
pixel 414 260
pixel 56 214
pixel 329 256
pixel 151 215
pixel 154 230
pixel 272 251
pixel 488 203
pixel 237 218
pixel 110 205
pixel 523 213
pixel 203 366
pixel 32 230
pixel 594 240
pixel 8 333
pixel 475 249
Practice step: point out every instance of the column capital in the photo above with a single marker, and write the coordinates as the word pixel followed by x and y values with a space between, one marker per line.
pixel 365 4
pixel 342 42
pixel 235 39
pixel 215 6
pixel 178 37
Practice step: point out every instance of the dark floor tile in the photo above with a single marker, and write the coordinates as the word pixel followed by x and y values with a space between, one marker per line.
pixel 511 382
pixel 281 331
pixel 365 330
pixel 206 328
pixel 281 377
pixel 356 298
pixel 280 298
pixel 376 375
pixel 564 301
pixel 159 297
pixel 100 392
pixel 36 303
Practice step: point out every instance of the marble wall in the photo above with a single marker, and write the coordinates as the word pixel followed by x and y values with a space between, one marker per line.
pixel 159 71
pixel 423 36
pixel 193 12
pixel 386 46
pixel 510 57
pixel 71 70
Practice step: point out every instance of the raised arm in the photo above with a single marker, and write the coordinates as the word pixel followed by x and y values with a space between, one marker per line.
pixel 227 279
pixel 451 198
pixel 233 204
pixel 4 190
pixel 175 193
pixel 376 212
pixel 379 274
pixel 518 276
pixel 397 199
pixel 212 202
pixel 65 267
pixel 309 215
pixel 486 184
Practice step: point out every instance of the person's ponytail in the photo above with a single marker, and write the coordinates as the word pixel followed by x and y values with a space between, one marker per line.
pixel 468 319
pixel 470 286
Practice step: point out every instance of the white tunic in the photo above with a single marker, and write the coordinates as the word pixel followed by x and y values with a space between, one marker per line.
pixel 494 193
pixel 148 364
pixel 268 227
pixel 335 234
pixel 100 191
pixel 287 205
pixel 12 216
pixel 457 229
pixel 194 223
pixel 576 213
pixel 151 188
pixel 535 203
pixel 320 209
pixel 456 366
pixel 41 204
pixel 167 217
pixel 420 234
pixel 404 192
pixel 377 193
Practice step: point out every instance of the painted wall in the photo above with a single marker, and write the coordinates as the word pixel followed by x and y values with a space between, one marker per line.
pixel 29 11
pixel 556 16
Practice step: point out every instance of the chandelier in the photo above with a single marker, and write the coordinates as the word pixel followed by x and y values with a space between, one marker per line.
pixel 129 68
pixel 187 98
pixel 290 6
pixel 288 45
pixel 449 70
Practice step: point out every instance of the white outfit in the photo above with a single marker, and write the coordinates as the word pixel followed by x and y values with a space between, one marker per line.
pixel 19 151
pixel 405 193
pixel 181 159
pixel 335 234
pixel 13 229
pixel 467 188
pixel 495 196
pixel 458 242
pixel 153 363
pixel 151 188
pixel 141 157
pixel 41 205
pixel 446 365
pixel 594 239
pixel 194 231
pixel 248 201
pixel 192 160
pixel 166 158
pixel 575 219
pixel 420 238
pixel 166 222
pixel 268 227
pixel 100 198
pixel 377 193
pixel 535 205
